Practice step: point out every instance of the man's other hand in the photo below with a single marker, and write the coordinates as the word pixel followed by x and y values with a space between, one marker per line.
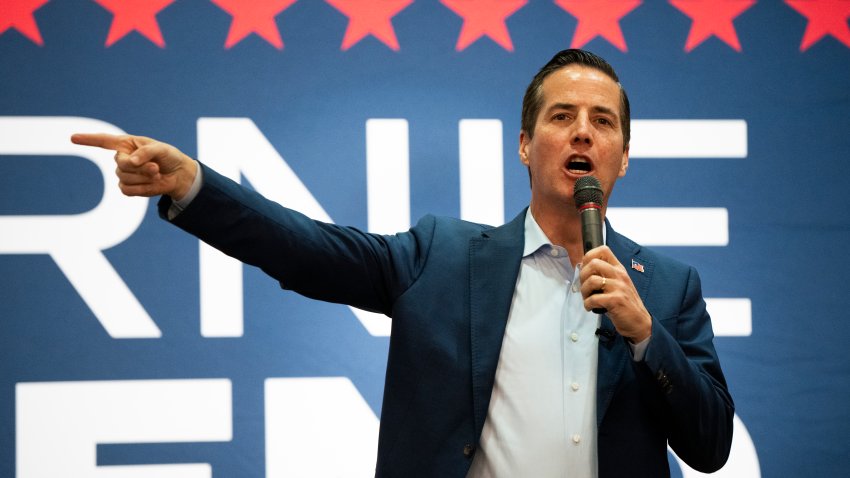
pixel 145 166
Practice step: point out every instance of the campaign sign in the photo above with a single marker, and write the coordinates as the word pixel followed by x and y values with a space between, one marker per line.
pixel 129 348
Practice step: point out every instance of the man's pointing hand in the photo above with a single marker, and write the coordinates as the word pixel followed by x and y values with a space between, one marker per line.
pixel 145 166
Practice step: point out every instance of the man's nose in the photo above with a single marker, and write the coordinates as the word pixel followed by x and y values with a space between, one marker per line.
pixel 582 132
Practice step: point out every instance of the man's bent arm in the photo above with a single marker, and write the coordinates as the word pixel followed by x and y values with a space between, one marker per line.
pixel 687 371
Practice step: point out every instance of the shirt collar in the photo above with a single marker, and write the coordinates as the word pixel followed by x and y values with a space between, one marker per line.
pixel 535 238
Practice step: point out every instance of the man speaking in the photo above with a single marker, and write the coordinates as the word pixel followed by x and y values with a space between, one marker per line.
pixel 498 365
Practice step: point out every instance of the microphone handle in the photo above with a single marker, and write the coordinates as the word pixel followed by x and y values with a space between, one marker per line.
pixel 591 236
pixel 591 228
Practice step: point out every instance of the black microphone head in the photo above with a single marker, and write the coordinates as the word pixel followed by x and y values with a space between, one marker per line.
pixel 587 190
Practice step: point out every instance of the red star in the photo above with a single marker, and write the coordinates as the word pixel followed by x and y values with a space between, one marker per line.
pixel 484 17
pixel 139 15
pixel 370 17
pixel 826 17
pixel 712 17
pixel 253 17
pixel 20 15
pixel 600 18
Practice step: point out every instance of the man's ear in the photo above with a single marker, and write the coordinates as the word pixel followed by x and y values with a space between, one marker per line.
pixel 524 139
pixel 624 165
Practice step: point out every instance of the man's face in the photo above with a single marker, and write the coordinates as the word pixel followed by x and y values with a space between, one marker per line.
pixel 577 133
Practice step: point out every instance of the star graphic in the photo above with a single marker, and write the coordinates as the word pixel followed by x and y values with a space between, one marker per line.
pixel 712 17
pixel 253 17
pixel 370 17
pixel 600 18
pixel 139 15
pixel 826 17
pixel 20 15
pixel 484 17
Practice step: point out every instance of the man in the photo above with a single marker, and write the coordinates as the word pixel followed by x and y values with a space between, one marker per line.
pixel 496 366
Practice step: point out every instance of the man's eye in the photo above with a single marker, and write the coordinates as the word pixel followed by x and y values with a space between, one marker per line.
pixel 604 121
pixel 560 117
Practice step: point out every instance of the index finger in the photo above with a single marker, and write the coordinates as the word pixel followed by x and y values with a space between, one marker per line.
pixel 606 260
pixel 602 253
pixel 101 140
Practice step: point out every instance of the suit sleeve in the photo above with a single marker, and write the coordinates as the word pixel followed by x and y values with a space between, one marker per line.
pixel 318 260
pixel 684 363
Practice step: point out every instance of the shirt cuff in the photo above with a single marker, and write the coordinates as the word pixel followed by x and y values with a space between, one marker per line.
pixel 177 207
pixel 639 349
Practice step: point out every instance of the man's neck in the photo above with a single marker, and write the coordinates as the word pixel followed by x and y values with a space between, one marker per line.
pixel 562 225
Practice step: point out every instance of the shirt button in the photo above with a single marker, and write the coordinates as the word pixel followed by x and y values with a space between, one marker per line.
pixel 576 438
pixel 553 252
pixel 574 386
pixel 574 337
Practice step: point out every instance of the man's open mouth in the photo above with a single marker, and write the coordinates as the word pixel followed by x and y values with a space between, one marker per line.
pixel 578 166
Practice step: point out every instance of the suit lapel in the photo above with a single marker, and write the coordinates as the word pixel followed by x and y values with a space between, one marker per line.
pixel 495 257
pixel 614 354
pixel 494 260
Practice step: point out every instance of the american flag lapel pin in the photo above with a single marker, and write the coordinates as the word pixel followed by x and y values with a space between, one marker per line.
pixel 637 266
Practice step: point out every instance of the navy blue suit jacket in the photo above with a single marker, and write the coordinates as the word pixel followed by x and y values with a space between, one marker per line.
pixel 448 285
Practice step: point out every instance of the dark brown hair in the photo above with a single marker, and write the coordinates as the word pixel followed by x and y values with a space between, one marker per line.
pixel 533 99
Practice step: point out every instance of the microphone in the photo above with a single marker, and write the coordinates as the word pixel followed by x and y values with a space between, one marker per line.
pixel 588 197
pixel 587 194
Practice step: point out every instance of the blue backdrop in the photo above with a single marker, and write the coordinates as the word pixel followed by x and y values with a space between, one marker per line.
pixel 101 301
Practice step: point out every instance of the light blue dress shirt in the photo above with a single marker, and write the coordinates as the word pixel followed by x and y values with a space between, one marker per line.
pixel 542 416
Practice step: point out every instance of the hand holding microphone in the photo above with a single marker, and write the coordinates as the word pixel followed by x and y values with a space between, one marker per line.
pixel 604 280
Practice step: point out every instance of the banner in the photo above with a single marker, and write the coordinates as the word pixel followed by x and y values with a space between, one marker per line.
pixel 128 348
